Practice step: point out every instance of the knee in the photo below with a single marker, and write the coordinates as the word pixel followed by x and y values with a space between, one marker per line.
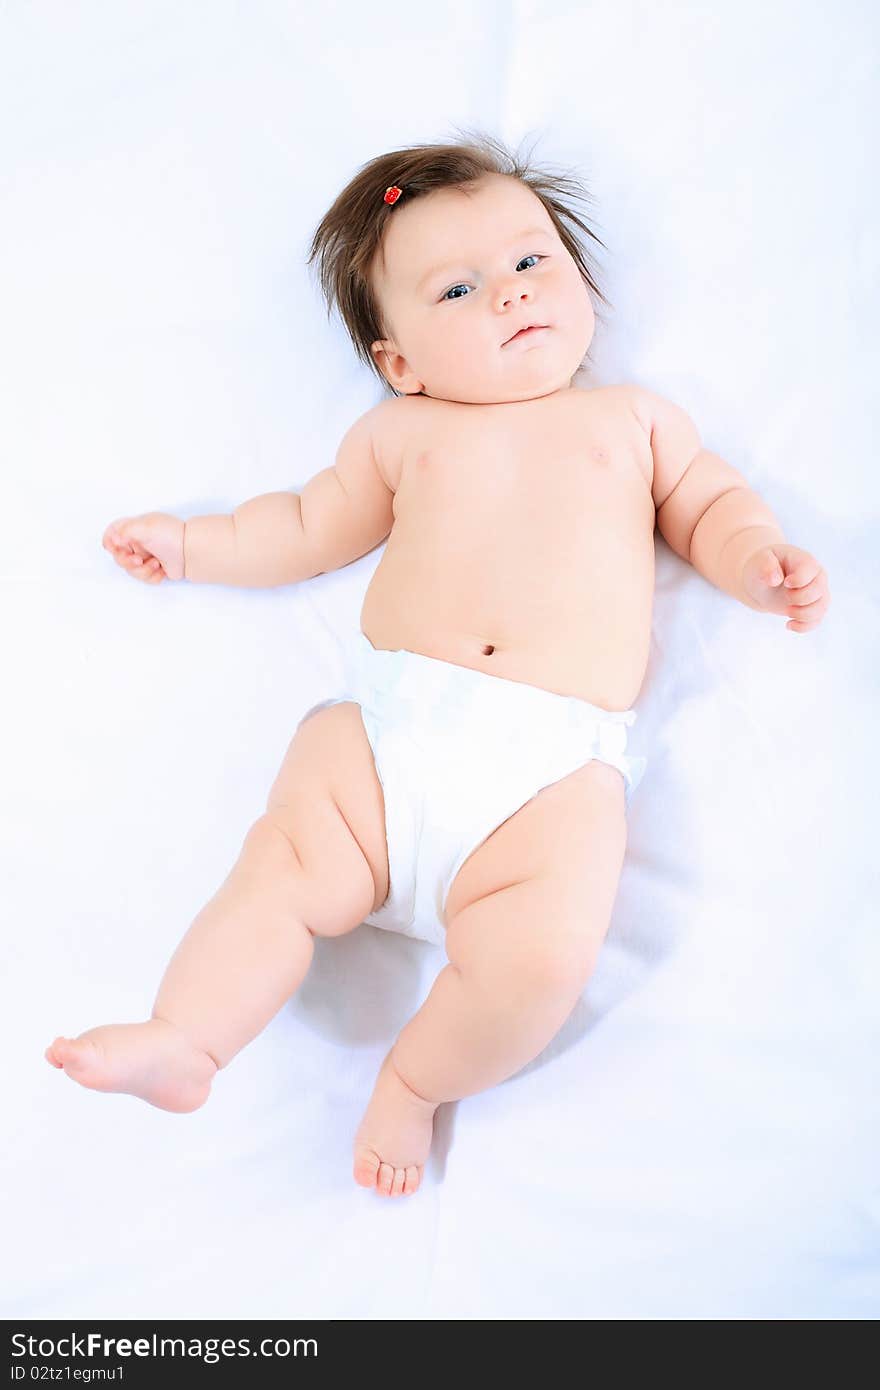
pixel 560 975
pixel 549 980
pixel 534 948
pixel 268 843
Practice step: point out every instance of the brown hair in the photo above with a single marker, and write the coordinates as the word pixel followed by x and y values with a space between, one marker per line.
pixel 350 232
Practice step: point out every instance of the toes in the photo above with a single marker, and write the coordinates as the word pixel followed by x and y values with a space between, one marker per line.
pixel 397 1182
pixel 388 1181
pixel 79 1059
pixel 60 1053
pixel 366 1166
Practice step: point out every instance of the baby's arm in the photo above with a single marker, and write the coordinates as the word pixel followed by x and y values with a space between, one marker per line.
pixel 706 510
pixel 284 537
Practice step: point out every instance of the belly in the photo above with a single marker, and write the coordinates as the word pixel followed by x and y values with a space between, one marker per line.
pixel 575 620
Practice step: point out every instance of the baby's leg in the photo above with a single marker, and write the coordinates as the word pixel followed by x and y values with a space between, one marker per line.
pixel 526 917
pixel 314 864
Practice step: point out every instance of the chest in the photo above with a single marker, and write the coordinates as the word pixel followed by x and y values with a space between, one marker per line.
pixel 555 478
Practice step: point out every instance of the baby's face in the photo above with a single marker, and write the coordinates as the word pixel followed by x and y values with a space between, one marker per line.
pixel 457 275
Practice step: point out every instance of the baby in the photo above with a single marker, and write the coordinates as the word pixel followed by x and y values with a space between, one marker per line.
pixel 470 784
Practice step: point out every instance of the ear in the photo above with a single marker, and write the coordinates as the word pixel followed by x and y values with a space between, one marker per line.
pixel 395 368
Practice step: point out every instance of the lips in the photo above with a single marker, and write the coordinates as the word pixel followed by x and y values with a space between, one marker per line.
pixel 526 332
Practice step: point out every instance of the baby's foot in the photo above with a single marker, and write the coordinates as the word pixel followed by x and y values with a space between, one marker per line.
pixel 153 1060
pixel 394 1136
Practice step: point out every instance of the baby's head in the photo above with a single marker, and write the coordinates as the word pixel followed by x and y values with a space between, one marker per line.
pixel 432 285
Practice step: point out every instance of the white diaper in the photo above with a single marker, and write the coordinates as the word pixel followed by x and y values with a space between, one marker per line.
pixel 457 752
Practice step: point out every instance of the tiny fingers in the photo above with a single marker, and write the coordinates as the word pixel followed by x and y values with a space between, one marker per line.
pixel 807 612
pixel 799 598
pixel 130 551
pixel 807 591
pixel 147 568
pixel 803 617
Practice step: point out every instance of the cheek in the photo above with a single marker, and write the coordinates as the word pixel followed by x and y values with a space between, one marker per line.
pixel 575 284
pixel 458 334
pixel 578 298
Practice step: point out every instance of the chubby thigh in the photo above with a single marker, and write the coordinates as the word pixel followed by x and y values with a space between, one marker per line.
pixel 530 908
pixel 328 801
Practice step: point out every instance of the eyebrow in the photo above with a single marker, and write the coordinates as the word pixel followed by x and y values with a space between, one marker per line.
pixel 450 265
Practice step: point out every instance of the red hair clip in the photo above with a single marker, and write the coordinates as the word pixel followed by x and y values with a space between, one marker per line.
pixel 392 194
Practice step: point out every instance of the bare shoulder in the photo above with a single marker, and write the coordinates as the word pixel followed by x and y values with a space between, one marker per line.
pixel 652 410
pixel 390 421
pixel 629 402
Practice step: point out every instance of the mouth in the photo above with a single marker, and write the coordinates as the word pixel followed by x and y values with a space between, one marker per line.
pixel 528 332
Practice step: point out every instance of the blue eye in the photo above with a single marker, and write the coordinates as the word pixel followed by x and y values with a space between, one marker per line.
pixel 458 287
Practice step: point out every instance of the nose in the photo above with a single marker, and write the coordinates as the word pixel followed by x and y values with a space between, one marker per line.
pixel 513 293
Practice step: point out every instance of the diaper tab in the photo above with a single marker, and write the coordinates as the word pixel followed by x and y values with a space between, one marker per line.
pixel 604 735
pixel 610 741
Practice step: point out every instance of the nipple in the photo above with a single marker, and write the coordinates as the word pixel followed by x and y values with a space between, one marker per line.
pixel 487 651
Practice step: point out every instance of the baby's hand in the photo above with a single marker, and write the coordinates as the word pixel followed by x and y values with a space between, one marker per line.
pixel 789 581
pixel 148 547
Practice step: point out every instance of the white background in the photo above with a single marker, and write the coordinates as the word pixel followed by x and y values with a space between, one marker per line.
pixel 701 1141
